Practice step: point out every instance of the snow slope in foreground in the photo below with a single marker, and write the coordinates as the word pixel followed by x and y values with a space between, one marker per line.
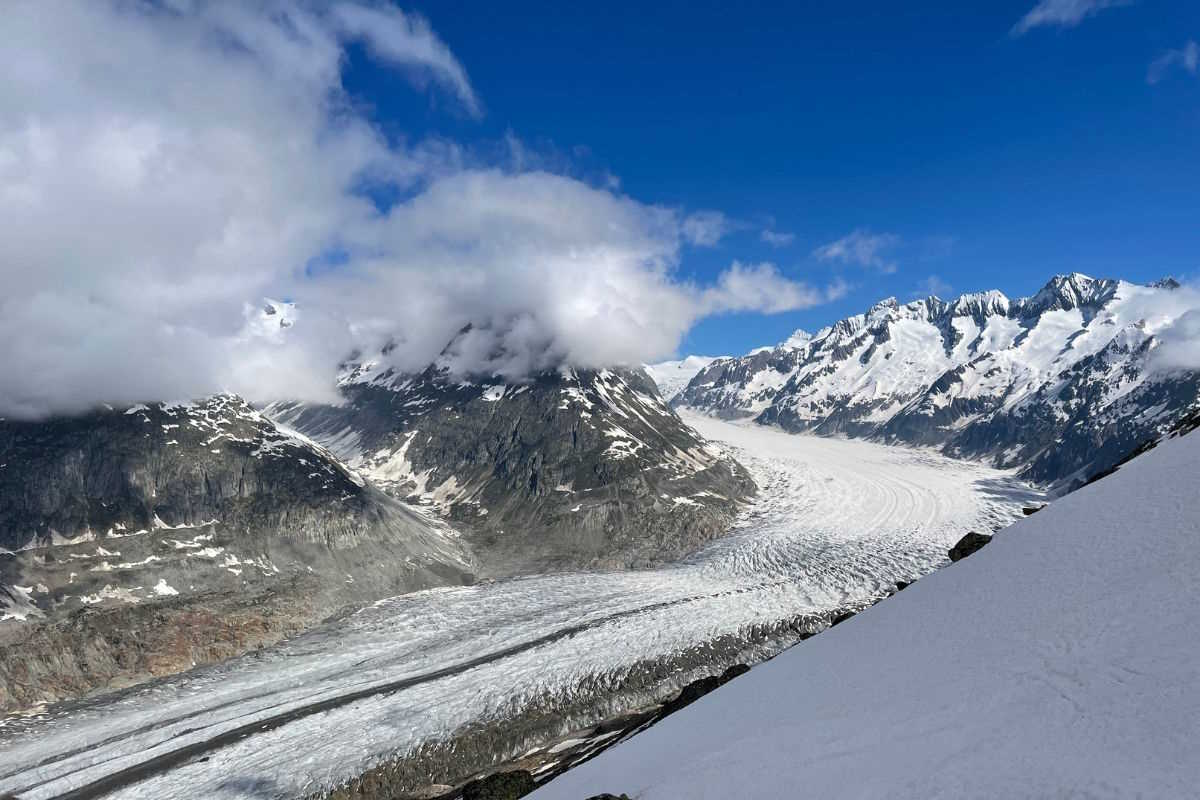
pixel 1061 660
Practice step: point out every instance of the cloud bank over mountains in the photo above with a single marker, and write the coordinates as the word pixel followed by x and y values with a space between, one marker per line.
pixel 165 166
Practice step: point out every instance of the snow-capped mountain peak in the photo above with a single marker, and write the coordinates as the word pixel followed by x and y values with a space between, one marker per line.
pixel 672 376
pixel 1059 383
pixel 800 338
pixel 1067 292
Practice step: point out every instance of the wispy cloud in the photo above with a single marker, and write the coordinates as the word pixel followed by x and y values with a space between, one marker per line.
pixel 861 248
pixel 761 287
pixel 1186 58
pixel 1063 13
pixel 706 228
pixel 778 238
pixel 933 285
pixel 406 41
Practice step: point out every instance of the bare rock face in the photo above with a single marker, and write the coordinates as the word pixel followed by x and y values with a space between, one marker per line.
pixel 137 542
pixel 565 469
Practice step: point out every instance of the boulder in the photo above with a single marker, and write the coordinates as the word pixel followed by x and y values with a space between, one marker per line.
pixel 968 545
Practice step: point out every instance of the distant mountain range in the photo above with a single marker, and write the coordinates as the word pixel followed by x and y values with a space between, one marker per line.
pixel 1059 385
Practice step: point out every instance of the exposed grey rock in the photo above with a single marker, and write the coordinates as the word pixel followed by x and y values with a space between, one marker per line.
pixel 566 469
pixel 203 511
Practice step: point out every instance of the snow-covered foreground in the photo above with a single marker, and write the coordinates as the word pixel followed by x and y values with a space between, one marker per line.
pixel 837 523
pixel 1063 660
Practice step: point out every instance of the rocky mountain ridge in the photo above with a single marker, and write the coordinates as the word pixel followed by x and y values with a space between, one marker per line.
pixel 564 469
pixel 1059 385
pixel 119 527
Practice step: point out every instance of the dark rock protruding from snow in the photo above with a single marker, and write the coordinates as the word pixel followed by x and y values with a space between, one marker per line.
pixel 501 786
pixel 968 544
pixel 698 688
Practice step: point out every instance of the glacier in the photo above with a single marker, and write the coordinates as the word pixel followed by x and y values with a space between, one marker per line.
pixel 837 523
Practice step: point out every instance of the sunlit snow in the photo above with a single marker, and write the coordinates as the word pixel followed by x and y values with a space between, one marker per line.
pixel 1059 661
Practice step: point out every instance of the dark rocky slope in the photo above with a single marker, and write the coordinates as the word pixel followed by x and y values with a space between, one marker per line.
pixel 141 541
pixel 567 469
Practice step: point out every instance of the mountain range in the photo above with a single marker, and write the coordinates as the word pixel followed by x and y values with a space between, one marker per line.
pixel 1059 386
pixel 141 541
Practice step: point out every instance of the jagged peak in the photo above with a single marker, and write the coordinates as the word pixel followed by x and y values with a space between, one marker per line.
pixel 990 303
pixel 1074 290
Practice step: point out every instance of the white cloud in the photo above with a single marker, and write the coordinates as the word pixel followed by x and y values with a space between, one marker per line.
pixel 1186 58
pixel 1063 13
pixel 706 228
pixel 933 285
pixel 161 166
pixel 1179 344
pixel 545 269
pixel 777 238
pixel 760 287
pixel 861 248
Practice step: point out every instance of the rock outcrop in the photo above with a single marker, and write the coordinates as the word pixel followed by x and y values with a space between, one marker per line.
pixel 138 542
pixel 968 544
pixel 564 469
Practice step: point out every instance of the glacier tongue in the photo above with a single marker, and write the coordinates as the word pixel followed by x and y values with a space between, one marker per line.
pixel 837 523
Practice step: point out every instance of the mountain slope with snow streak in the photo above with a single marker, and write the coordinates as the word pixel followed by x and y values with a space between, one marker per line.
pixel 117 525
pixel 1060 660
pixel 563 469
pixel 1061 385
pixel 836 524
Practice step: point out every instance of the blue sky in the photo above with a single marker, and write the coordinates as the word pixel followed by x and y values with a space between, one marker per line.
pixel 969 155
pixel 590 185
